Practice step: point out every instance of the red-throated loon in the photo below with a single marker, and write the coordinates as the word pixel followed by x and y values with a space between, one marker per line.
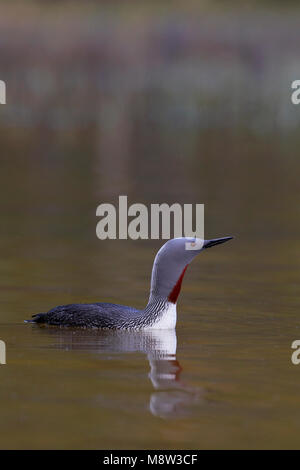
pixel 168 270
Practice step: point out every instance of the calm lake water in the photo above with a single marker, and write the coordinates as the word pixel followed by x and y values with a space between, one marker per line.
pixel 161 106
pixel 224 379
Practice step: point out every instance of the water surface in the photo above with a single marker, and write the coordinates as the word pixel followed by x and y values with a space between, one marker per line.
pixel 224 379
pixel 191 108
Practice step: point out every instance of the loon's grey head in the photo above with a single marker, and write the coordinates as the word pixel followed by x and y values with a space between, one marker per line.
pixel 171 263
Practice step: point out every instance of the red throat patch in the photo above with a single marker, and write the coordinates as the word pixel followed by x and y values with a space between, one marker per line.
pixel 173 296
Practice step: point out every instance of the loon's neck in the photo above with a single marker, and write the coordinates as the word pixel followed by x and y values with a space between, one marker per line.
pixel 166 280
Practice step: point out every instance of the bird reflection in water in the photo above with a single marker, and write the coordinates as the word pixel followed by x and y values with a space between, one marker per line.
pixel 171 397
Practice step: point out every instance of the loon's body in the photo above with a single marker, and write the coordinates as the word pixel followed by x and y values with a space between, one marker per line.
pixel 168 270
pixel 161 315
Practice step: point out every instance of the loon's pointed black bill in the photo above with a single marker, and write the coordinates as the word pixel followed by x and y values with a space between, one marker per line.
pixel 215 241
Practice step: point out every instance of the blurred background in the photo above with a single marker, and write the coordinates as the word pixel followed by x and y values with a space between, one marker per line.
pixel 182 101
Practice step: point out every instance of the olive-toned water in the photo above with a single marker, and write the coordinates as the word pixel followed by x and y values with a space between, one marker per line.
pixel 161 104
pixel 223 380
